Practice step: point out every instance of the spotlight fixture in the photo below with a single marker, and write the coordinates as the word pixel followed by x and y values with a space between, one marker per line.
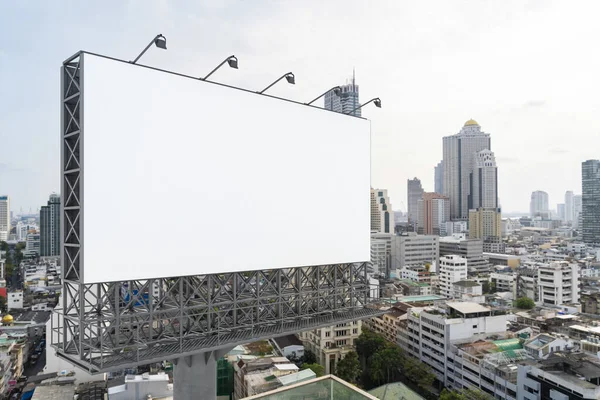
pixel 159 41
pixel 376 101
pixel 288 77
pixel 231 60
pixel 336 90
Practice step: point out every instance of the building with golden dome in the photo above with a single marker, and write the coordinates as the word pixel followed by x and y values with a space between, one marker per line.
pixel 460 153
pixel 7 319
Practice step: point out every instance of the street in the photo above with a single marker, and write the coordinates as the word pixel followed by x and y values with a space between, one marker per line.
pixel 37 368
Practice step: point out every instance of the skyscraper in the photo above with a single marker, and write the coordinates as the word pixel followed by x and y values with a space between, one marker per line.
pixel 438 171
pixel 576 210
pixel 4 218
pixel 561 212
pixel 460 152
pixel 538 205
pixel 346 101
pixel 434 212
pixel 484 181
pixel 590 201
pixel 415 193
pixel 50 227
pixel 569 206
pixel 382 216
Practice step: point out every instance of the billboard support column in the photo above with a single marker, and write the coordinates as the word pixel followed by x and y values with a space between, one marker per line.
pixel 195 376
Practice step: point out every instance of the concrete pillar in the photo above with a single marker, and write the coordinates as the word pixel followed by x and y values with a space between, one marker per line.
pixel 195 377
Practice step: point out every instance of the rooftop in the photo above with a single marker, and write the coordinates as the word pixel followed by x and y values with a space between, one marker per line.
pixel 328 387
pixel 418 299
pixel 467 307
pixel 288 340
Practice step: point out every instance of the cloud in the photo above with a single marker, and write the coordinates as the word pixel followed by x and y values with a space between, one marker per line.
pixel 534 104
pixel 558 151
pixel 507 160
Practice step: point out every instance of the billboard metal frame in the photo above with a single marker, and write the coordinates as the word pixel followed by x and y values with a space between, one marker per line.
pixel 114 325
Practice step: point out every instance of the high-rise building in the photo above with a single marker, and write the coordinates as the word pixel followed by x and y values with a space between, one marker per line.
pixel 4 218
pixel 346 101
pixel 538 206
pixel 50 227
pixel 485 223
pixel 415 193
pixel 561 212
pixel 577 207
pixel 382 216
pixel 433 213
pixel 484 181
pixel 439 177
pixel 590 201
pixel 460 153
pixel 569 206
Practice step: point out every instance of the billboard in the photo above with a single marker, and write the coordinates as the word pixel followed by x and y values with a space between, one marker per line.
pixel 184 177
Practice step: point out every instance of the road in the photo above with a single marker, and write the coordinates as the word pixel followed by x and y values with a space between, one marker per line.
pixel 37 368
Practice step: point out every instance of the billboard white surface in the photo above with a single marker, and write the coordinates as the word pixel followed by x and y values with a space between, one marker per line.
pixel 183 177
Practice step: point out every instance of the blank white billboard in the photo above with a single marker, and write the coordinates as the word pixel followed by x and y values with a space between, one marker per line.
pixel 183 177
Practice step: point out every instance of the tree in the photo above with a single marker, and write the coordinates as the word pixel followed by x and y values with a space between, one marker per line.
pixel 308 357
pixel 348 368
pixel 525 303
pixel 417 372
pixel 316 368
pixel 367 344
pixel 386 364
pixel 464 394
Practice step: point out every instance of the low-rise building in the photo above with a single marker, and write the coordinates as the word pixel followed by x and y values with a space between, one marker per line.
pixel 386 324
pixel 289 346
pixel 564 376
pixel 468 290
pixel 331 344
pixel 558 283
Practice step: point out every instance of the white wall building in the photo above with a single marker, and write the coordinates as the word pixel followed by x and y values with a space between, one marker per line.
pixel 452 269
pixel 14 300
pixel 381 252
pixel 558 283
pixel 429 331
pixel 4 218
pixel 32 246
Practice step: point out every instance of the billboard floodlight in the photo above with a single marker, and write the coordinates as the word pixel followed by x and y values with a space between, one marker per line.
pixel 288 77
pixel 231 60
pixel 336 90
pixel 159 41
pixel 376 101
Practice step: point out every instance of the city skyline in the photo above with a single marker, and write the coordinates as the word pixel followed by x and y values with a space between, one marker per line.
pixel 429 97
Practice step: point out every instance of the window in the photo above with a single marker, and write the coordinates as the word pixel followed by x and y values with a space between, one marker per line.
pixel 327 334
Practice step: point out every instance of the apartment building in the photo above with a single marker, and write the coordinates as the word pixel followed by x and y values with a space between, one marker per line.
pixel 452 269
pixel 558 283
pixel 386 324
pixel 428 332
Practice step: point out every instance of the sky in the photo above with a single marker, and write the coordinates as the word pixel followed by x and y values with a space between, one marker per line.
pixel 527 71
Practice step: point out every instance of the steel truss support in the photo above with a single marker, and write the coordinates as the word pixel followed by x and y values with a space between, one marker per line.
pixel 114 325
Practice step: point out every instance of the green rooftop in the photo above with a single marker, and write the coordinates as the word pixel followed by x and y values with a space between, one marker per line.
pixel 509 344
pixel 395 391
